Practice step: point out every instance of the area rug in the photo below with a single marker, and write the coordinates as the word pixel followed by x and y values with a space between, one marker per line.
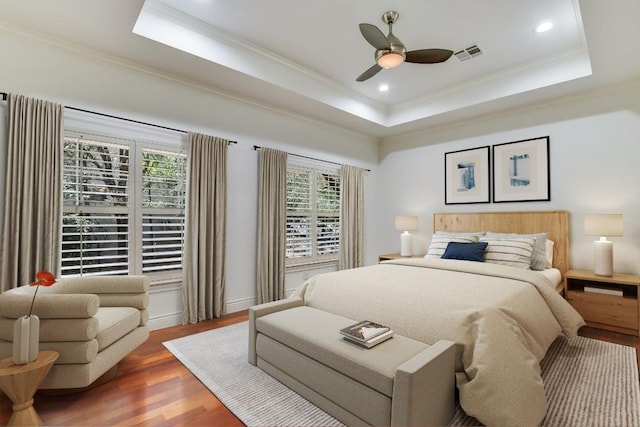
pixel 588 383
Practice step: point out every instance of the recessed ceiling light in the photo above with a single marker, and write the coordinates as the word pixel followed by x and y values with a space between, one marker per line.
pixel 545 26
pixel 383 87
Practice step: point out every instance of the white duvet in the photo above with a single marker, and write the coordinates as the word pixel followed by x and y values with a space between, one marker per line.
pixel 503 320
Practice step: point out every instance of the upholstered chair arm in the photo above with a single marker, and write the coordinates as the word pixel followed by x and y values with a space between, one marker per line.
pixel 49 306
pixel 113 291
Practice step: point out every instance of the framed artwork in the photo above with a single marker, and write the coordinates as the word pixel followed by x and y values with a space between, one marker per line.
pixel 521 171
pixel 466 176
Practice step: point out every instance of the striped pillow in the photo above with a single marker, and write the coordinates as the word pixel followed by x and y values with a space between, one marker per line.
pixel 514 252
pixel 439 244
pixel 539 259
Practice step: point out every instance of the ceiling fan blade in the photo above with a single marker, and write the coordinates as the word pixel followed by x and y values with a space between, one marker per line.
pixel 428 56
pixel 374 36
pixel 369 73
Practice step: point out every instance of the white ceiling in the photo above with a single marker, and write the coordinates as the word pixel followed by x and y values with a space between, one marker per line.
pixel 303 56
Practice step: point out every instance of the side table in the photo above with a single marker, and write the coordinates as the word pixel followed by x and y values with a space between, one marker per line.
pixel 606 302
pixel 397 255
pixel 20 383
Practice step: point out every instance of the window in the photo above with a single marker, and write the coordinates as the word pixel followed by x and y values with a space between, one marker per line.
pixel 313 215
pixel 163 199
pixel 123 210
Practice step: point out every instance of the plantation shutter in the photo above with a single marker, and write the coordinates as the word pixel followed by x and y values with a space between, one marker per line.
pixel 328 213
pixel 313 215
pixel 163 217
pixel 299 213
pixel 96 211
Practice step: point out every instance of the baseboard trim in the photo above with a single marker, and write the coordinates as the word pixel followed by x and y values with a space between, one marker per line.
pixel 240 304
pixel 165 321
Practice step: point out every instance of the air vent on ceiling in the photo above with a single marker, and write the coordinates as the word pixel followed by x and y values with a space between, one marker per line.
pixel 468 53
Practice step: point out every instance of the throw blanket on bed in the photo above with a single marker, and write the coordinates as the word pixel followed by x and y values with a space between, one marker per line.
pixel 503 320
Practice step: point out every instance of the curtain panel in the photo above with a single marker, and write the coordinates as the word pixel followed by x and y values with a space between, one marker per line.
pixel 351 217
pixel 203 288
pixel 31 228
pixel 272 224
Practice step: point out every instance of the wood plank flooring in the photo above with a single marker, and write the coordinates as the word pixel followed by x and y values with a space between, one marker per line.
pixel 152 388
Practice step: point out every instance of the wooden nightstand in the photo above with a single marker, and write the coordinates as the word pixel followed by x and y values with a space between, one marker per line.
pixel 609 303
pixel 396 255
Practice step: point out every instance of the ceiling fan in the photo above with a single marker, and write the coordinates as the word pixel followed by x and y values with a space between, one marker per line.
pixel 391 52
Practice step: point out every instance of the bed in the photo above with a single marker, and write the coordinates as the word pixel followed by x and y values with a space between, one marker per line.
pixel 503 319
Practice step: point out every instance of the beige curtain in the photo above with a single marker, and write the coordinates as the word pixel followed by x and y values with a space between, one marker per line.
pixel 31 228
pixel 272 223
pixel 351 217
pixel 204 247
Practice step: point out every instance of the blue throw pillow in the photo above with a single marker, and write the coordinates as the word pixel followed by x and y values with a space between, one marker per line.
pixel 465 251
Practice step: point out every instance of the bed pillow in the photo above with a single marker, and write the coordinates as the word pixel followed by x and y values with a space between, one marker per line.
pixel 465 251
pixel 549 252
pixel 513 251
pixel 439 244
pixel 539 259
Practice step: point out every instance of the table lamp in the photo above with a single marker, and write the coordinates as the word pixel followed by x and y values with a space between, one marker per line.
pixel 603 225
pixel 406 224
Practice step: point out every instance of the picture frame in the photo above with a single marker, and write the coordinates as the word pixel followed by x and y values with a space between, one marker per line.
pixel 521 171
pixel 467 177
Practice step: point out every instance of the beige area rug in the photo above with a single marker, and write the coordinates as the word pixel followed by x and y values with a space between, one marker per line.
pixel 588 383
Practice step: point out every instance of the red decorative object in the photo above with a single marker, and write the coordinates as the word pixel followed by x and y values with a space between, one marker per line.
pixel 43 278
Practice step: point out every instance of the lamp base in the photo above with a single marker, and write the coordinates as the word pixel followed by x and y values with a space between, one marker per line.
pixel 405 244
pixel 603 258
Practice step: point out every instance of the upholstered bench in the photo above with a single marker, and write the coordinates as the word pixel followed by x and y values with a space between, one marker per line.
pixel 398 382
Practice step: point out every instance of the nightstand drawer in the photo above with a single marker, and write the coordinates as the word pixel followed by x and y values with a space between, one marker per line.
pixel 606 309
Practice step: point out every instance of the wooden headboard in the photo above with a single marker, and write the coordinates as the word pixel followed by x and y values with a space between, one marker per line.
pixel 555 223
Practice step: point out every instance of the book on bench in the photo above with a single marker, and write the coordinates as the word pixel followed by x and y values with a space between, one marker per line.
pixel 366 333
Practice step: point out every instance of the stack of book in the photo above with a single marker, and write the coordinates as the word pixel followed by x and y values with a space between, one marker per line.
pixel 366 333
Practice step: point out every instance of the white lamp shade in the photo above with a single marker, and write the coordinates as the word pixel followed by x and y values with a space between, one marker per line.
pixel 406 223
pixel 603 225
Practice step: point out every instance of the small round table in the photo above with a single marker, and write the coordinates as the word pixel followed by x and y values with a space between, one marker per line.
pixel 20 383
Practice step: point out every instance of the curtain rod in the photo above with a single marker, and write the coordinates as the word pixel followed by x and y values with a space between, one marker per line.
pixel 4 98
pixel 257 147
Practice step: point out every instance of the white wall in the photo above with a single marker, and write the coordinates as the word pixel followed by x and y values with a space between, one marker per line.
pixel 594 154
pixel 81 79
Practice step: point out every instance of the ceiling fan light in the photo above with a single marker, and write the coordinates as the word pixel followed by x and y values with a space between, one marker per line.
pixel 390 59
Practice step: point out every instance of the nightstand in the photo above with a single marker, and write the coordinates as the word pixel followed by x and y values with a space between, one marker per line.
pixel 609 303
pixel 396 255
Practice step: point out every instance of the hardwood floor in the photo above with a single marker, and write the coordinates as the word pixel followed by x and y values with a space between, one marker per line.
pixel 153 388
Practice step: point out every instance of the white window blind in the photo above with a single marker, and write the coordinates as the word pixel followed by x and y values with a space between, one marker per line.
pixel 328 213
pixel 123 207
pixel 313 215
pixel 163 199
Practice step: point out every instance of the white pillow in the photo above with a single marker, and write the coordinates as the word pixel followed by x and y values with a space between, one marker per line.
pixel 539 259
pixel 549 252
pixel 514 252
pixel 439 243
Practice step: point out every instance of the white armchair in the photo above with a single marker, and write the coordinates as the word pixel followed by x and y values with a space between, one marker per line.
pixel 92 322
